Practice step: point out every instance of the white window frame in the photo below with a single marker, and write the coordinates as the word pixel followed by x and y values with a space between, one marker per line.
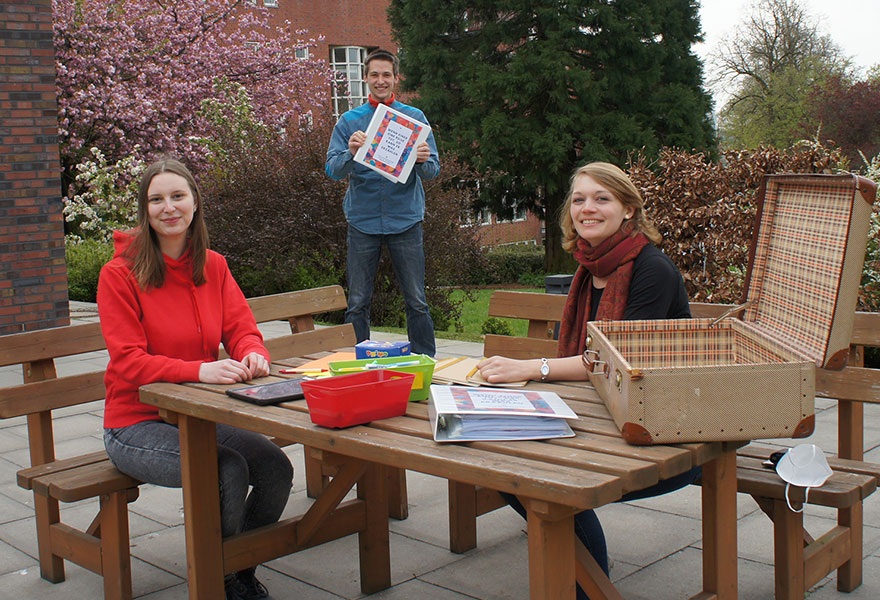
pixel 270 3
pixel 354 88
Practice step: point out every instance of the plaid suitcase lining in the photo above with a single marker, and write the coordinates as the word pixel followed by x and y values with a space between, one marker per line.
pixel 655 344
pixel 798 261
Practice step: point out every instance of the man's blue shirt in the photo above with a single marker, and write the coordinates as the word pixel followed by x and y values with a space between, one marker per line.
pixel 373 204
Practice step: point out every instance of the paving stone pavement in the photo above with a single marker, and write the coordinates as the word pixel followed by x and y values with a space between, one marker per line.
pixel 662 562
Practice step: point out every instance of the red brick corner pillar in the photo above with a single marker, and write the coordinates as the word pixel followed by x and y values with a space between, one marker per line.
pixel 33 274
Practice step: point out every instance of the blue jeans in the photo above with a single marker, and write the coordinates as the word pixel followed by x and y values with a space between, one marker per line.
pixel 588 529
pixel 150 451
pixel 408 260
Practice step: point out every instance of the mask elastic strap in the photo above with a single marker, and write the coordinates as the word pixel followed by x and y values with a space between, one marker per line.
pixel 806 497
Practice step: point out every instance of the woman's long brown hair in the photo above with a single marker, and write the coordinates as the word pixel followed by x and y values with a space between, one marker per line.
pixel 144 254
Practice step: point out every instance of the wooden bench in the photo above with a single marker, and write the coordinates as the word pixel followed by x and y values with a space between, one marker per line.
pixel 103 547
pixel 801 561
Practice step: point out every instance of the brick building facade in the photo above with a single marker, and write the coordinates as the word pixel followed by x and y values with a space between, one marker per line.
pixel 33 275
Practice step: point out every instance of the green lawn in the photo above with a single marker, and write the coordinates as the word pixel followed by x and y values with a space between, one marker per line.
pixel 473 315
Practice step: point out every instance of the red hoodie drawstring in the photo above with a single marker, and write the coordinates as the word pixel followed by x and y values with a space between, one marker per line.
pixel 198 315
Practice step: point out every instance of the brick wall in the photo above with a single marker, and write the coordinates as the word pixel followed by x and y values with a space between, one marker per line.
pixel 33 275
pixel 511 232
pixel 340 22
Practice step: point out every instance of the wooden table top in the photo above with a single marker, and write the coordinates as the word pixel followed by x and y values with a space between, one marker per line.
pixel 593 468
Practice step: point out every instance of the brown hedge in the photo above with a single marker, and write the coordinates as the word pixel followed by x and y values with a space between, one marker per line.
pixel 705 209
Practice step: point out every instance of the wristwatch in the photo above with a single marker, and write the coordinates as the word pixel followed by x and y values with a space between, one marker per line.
pixel 545 369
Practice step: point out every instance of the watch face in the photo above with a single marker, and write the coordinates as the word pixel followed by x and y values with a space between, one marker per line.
pixel 545 369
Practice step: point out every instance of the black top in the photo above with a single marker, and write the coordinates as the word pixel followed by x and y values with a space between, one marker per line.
pixel 656 290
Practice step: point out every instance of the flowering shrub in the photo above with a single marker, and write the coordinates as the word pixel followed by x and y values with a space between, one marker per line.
pixel 131 75
pixel 108 199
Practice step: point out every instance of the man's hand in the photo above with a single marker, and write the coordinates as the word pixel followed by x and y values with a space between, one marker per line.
pixel 423 152
pixel 357 139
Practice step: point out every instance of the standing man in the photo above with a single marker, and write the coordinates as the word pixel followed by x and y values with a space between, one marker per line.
pixel 380 211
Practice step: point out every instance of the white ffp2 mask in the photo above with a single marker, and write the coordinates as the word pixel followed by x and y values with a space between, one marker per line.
pixel 804 465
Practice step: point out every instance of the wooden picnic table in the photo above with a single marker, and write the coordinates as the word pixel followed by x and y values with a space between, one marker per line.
pixel 554 479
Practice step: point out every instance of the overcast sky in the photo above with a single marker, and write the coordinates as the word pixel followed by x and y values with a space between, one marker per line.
pixel 852 24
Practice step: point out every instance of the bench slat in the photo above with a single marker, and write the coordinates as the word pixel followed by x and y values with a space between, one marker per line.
pixel 310 342
pixel 526 305
pixel 39 396
pixel 87 481
pixel 839 491
pixel 25 477
pixel 851 383
pixel 866 329
pixel 838 464
pixel 286 305
pixel 518 347
pixel 31 346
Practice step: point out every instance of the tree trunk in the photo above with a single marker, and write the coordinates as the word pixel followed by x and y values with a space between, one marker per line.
pixel 556 260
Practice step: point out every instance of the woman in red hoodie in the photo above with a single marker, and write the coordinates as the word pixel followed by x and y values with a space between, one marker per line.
pixel 166 303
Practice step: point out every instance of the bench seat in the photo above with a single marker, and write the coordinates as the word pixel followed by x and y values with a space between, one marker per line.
pixel 800 560
pixel 75 483
pixel 103 547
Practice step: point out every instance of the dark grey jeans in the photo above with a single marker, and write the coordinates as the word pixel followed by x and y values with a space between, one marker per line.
pixel 150 451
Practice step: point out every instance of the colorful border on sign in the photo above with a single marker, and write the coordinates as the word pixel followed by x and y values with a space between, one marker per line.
pixel 463 402
pixel 415 130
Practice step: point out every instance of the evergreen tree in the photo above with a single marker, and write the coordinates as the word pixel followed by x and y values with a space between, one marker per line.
pixel 526 90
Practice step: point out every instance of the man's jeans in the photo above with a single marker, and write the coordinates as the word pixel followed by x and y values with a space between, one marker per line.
pixel 150 451
pixel 408 260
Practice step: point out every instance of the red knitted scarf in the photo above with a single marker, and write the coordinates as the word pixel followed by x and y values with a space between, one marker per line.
pixel 613 258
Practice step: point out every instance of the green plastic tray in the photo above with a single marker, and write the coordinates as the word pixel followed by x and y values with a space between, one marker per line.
pixel 423 370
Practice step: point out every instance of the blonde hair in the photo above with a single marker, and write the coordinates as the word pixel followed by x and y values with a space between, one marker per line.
pixel 618 183
pixel 144 254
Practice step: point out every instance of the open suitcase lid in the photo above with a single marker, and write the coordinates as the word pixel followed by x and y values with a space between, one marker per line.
pixel 806 259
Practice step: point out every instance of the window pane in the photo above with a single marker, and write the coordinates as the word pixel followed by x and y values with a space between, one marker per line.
pixel 339 55
pixel 354 55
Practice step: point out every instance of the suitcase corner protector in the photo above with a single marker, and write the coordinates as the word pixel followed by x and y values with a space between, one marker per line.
pixel 635 434
pixel 805 427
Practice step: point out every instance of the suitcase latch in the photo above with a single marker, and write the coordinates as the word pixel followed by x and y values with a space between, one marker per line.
pixel 591 362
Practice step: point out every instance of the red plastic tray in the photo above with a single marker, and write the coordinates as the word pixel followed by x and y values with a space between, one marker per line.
pixel 358 398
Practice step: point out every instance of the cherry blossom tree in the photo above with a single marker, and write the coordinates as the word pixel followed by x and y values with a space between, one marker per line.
pixel 131 74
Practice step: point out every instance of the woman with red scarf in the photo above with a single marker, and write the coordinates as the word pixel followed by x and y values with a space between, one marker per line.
pixel 622 276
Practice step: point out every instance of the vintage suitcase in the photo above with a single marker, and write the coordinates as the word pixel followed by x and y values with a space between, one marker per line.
pixel 687 380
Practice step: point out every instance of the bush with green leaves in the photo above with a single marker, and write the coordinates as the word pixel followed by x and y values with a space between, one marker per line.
pixel 494 325
pixel 84 261
pixel 521 264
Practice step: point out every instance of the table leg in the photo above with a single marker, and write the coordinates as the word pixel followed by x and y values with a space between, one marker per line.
pixel 462 517
pixel 719 526
pixel 201 508
pixel 551 550
pixel 373 542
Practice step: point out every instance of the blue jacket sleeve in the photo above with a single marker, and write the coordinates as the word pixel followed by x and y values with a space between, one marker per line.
pixel 339 160
pixel 431 167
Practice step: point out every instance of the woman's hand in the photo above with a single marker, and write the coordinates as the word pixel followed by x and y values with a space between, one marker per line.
pixel 499 369
pixel 256 364
pixel 223 371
